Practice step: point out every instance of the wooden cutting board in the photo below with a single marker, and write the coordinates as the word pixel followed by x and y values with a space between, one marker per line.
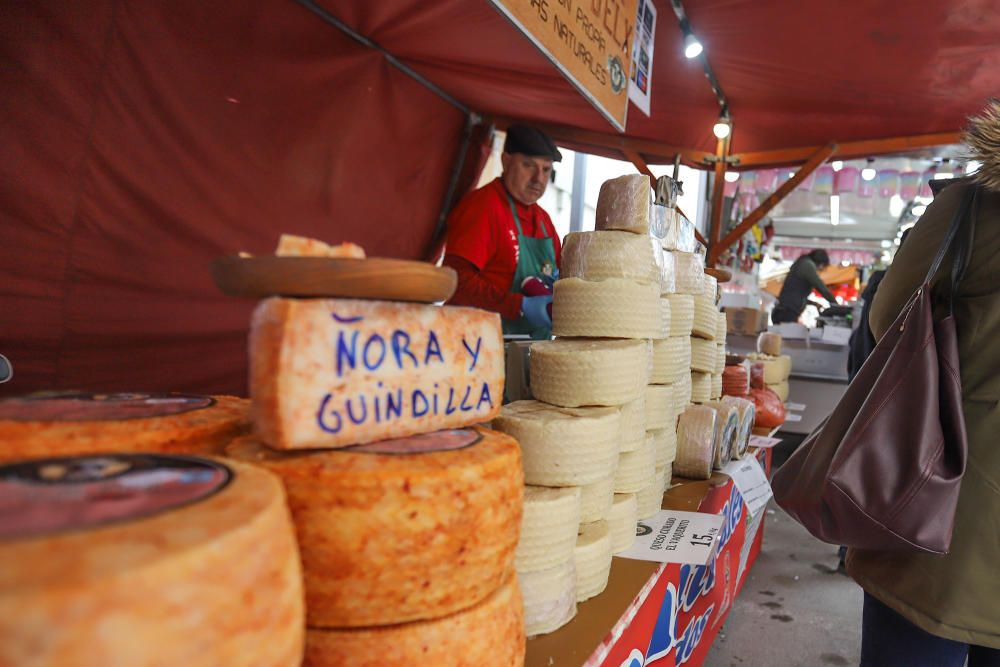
pixel 374 278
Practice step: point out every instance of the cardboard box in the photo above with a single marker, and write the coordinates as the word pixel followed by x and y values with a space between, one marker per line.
pixel 746 321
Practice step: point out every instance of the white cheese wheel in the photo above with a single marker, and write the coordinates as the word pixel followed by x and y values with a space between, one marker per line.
pixel 701 387
pixel 704 355
pixel 71 423
pixel 720 359
pixel 330 373
pixel 776 369
pixel 621 521
pixel 689 272
pixel 786 365
pixel 572 373
pixel 747 412
pixel 683 393
pixel 613 308
pixel 665 445
pixel 720 328
pixel 625 203
pixel 636 468
pixel 668 279
pixel 549 597
pixel 659 406
pixel 728 425
pixel 664 318
pixel 716 386
pixel 488 633
pixel 769 343
pixel 649 499
pixel 601 255
pixel 596 499
pixel 696 435
pixel 141 559
pixel 681 314
pixel 548 527
pixel 671 359
pixel 400 530
pixel 592 558
pixel 664 474
pixel 710 287
pixel 633 424
pixel 781 389
pixel 562 446
pixel 679 232
pixel 706 318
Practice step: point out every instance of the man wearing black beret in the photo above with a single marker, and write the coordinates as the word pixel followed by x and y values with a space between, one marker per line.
pixel 502 243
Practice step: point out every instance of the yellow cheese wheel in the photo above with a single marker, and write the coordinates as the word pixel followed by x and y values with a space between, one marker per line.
pixel 77 423
pixel 401 530
pixel 142 559
pixel 489 634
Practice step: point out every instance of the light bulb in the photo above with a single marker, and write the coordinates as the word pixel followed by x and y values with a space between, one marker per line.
pixel 834 210
pixel 721 129
pixel 868 174
pixel 692 47
pixel 837 165
pixel 732 176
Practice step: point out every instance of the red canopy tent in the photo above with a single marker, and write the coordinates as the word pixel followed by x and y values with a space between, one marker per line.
pixel 144 139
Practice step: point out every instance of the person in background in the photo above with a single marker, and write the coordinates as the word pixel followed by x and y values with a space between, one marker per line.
pixel 502 243
pixel 802 279
pixel 921 609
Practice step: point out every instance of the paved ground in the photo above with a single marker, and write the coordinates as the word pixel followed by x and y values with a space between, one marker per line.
pixel 795 609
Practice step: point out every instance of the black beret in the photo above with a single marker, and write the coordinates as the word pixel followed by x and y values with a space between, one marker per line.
pixel 530 141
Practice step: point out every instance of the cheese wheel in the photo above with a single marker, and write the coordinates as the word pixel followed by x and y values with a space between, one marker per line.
pixel 78 423
pixel 488 633
pixel 636 468
pixel 769 343
pixel 671 359
pixel 681 314
pixel 400 530
pixel 649 499
pixel 664 474
pixel 664 318
pixel 746 412
pixel 706 318
pixel 665 445
pixel 336 372
pixel 140 559
pixel 710 287
pixel 736 379
pixel 659 406
pixel 679 231
pixel 592 558
pixel 689 272
pixel 633 424
pixel 668 280
pixel 601 255
pixel 549 598
pixel 721 327
pixel 596 499
pixel 621 521
pixel 720 359
pixel 613 308
pixel 781 389
pixel 548 529
pixel 562 446
pixel 716 386
pixel 696 436
pixel 573 373
pixel 683 393
pixel 625 203
pixel 701 387
pixel 704 354
pixel 728 422
pixel 776 369
pixel 786 365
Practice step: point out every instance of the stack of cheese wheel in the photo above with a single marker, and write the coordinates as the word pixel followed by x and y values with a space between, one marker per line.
pixel 139 559
pixel 777 370
pixel 407 519
pixel 720 359
pixel 78 423
pixel 704 349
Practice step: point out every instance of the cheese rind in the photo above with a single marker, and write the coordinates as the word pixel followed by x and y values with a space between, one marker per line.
pixel 210 581
pixel 596 499
pixel 488 633
pixel 592 558
pixel 613 308
pixel 624 204
pixel 562 446
pixel 573 373
pixel 397 537
pixel 549 597
pixel 621 520
pixel 696 437
pixel 601 255
pixel 549 527
pixel 327 373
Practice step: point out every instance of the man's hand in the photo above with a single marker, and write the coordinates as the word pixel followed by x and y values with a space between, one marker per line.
pixel 536 310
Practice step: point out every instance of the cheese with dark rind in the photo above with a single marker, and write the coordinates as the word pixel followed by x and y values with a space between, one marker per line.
pixel 328 373
pixel 391 538
pixel 488 634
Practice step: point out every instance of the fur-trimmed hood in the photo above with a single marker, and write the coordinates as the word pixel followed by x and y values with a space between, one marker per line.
pixel 983 139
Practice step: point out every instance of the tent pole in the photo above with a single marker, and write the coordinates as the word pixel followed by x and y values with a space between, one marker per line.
pixel 718 185
pixel 471 121
pixel 643 168
pixel 818 158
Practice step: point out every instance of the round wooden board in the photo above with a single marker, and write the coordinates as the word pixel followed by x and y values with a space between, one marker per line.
pixel 376 278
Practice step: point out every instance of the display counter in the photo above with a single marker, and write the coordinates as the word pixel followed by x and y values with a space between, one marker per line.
pixel 663 614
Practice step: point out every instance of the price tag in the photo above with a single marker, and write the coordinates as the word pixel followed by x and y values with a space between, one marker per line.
pixel 676 537
pixel 792 417
pixel 763 442
pixel 751 482
pixel 798 407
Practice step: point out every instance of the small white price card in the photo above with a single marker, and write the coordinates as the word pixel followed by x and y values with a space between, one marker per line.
pixel 763 441
pixel 792 417
pixel 750 481
pixel 797 407
pixel 676 537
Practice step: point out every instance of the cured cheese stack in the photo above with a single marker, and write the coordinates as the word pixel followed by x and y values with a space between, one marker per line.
pixel 592 558
pixel 697 432
pixel 136 559
pixel 79 423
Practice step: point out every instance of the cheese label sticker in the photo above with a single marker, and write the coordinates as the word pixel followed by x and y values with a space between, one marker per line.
pixel 439 441
pixel 57 495
pixel 86 406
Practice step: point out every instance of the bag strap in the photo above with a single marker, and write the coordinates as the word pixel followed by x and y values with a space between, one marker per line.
pixel 963 247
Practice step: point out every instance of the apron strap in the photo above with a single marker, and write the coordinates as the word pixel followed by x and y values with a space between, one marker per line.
pixel 517 220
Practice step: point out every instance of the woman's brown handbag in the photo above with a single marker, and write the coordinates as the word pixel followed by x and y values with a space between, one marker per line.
pixel 883 471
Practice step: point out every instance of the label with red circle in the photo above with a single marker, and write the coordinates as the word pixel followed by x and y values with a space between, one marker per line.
pixel 57 495
pixel 425 443
pixel 87 406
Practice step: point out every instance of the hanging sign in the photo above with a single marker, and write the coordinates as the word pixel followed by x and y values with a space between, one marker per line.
pixel 590 41
pixel 640 84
